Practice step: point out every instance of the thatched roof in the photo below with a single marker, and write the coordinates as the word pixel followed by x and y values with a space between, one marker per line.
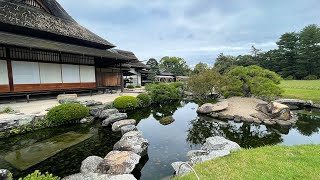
pixel 134 63
pixel 42 44
pixel 129 54
pixel 57 21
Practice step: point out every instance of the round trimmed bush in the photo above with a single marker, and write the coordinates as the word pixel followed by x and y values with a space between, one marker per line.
pixel 311 77
pixel 144 100
pixel 66 113
pixel 163 93
pixel 130 86
pixel 125 102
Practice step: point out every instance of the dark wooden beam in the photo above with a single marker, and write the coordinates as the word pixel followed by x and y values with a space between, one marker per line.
pixel 9 67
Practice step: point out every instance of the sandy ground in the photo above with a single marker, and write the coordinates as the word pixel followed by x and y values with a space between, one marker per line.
pixel 39 106
pixel 241 105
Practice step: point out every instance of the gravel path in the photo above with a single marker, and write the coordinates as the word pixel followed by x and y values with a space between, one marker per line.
pixel 242 106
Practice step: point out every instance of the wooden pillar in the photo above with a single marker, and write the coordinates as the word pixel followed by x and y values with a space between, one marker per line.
pixel 121 77
pixel 9 67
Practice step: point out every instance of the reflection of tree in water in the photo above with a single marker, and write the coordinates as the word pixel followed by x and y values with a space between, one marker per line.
pixel 246 135
pixel 139 114
pixel 162 111
pixel 308 124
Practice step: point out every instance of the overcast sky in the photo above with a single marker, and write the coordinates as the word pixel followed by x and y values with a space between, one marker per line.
pixel 197 30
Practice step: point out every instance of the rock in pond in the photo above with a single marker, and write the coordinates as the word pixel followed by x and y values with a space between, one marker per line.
pixel 91 103
pixel 5 174
pixel 113 118
pixel 119 162
pixel 87 120
pixel 96 110
pixel 208 107
pixel 107 113
pixel 134 142
pixel 90 164
pixel 181 167
pixel 117 125
pixel 97 176
pixel 167 120
pixel 219 143
pixel 279 111
pixel 128 128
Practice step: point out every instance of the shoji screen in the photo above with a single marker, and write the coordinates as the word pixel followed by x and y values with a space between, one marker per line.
pixel 25 72
pixel 3 73
pixel 87 74
pixel 70 73
pixel 50 73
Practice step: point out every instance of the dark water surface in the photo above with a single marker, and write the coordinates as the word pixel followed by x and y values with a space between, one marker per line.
pixel 54 149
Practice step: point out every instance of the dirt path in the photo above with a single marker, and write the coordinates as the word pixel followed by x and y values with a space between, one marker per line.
pixel 241 105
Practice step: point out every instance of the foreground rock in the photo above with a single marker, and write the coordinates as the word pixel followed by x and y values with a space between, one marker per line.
pixel 107 113
pixel 119 162
pixel 279 111
pixel 113 118
pixel 117 125
pixel 213 148
pixel 97 176
pixel 208 107
pixel 90 164
pixel 128 128
pixel 95 111
pixel 134 142
pixel 5 174
pixel 16 121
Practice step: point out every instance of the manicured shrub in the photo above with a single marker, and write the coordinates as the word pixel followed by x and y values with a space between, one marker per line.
pixel 138 86
pixel 144 100
pixel 38 176
pixel 177 84
pixel 311 77
pixel 163 93
pixel 125 102
pixel 130 86
pixel 66 113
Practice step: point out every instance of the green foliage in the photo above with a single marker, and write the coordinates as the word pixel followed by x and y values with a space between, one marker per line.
pixel 174 65
pixel 154 68
pixel 138 87
pixel 37 175
pixel 224 63
pixel 125 102
pixel 177 84
pixel 252 80
pixel 66 113
pixel 290 77
pixel 163 93
pixel 7 109
pixel 200 67
pixel 204 84
pixel 311 77
pixel 144 100
pixel 130 86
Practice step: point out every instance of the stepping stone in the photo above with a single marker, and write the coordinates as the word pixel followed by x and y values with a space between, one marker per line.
pixel 128 128
pixel 107 113
pixel 119 162
pixel 114 118
pixel 117 125
pixel 97 176
pixel 134 142
pixel 90 164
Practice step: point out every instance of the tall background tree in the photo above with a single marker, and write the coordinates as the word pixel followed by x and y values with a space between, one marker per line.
pixel 174 65
pixel 200 67
pixel 154 68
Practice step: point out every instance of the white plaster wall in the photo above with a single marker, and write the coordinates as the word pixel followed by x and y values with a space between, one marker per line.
pixel 3 72
pixel 50 73
pixel 25 72
pixel 70 73
pixel 87 74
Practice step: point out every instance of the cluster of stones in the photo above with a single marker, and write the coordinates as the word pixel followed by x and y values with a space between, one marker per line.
pixel 214 147
pixel 127 152
pixel 267 113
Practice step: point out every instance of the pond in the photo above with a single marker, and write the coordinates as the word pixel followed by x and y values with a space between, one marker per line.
pixel 172 131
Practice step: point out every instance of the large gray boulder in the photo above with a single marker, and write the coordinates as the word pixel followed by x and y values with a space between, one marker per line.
pixel 219 143
pixel 279 111
pixel 96 110
pixel 16 121
pixel 97 176
pixel 132 141
pixel 128 128
pixel 212 155
pixel 117 125
pixel 68 98
pixel 107 113
pixel 113 118
pixel 119 162
pixel 90 164
pixel 5 174
pixel 209 108
pixel 91 103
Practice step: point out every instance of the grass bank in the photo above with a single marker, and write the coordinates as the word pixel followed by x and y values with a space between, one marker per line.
pixel 270 162
pixel 302 89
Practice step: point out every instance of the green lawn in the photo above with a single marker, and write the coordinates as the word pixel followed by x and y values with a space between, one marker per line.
pixel 270 162
pixel 302 89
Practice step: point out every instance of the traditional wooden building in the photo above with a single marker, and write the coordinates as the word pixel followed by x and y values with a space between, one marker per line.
pixel 42 48
pixel 135 71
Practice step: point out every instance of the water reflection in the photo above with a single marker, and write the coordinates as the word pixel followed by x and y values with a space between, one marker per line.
pixel 308 124
pixel 246 135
